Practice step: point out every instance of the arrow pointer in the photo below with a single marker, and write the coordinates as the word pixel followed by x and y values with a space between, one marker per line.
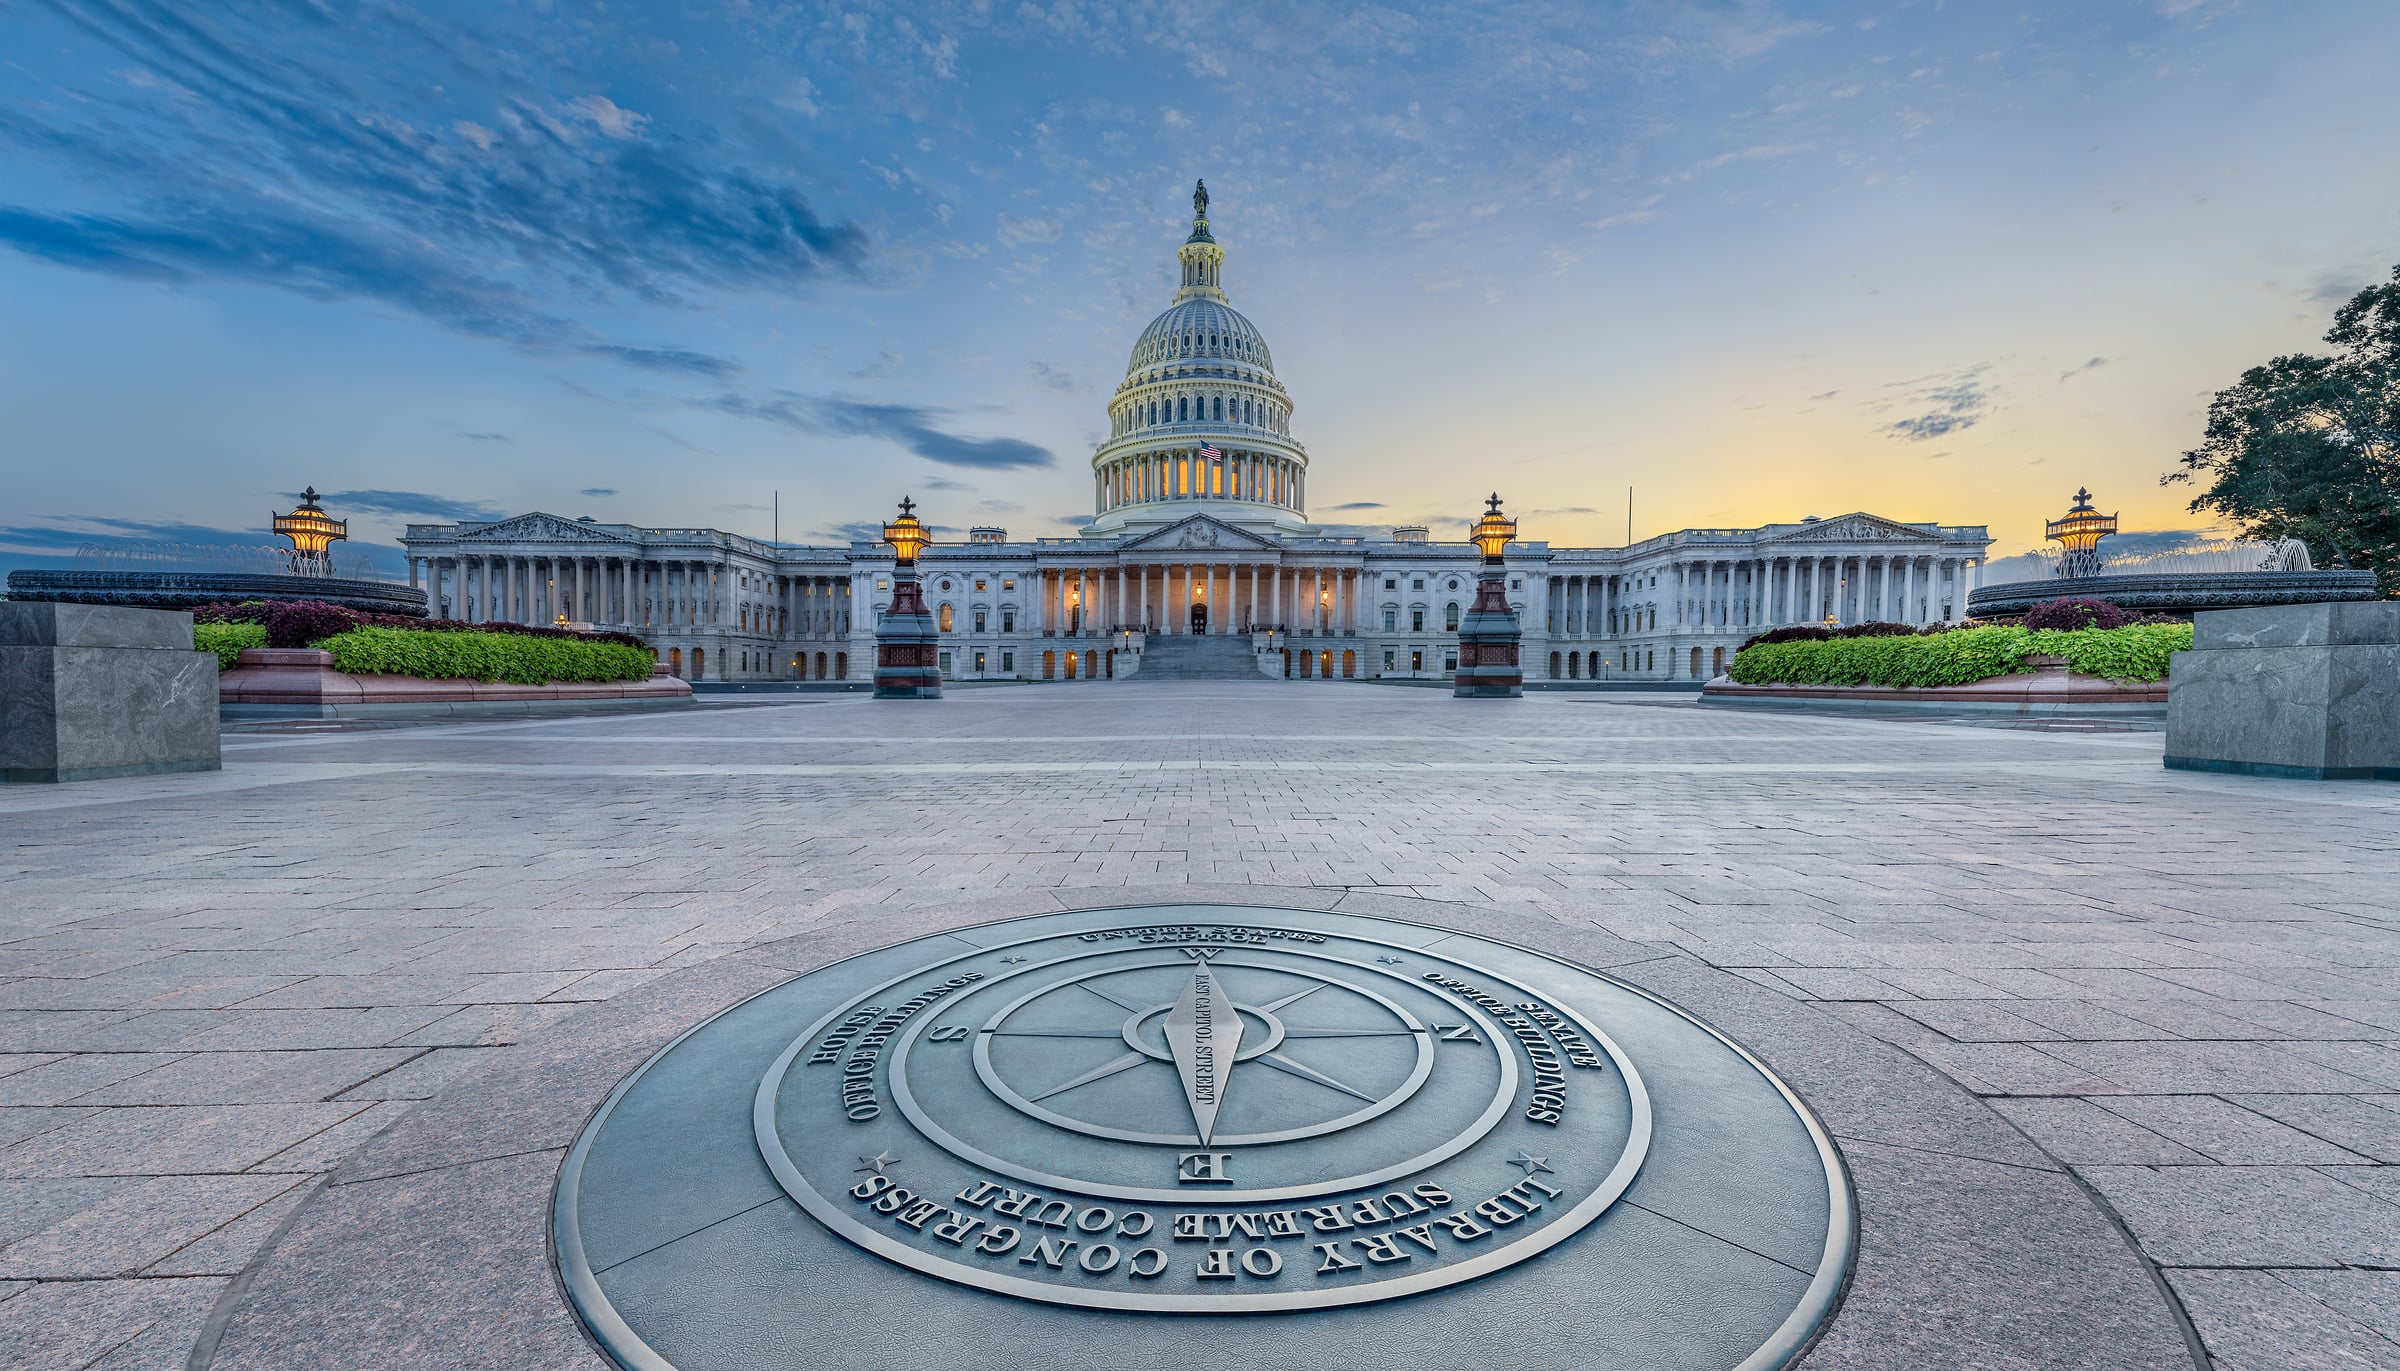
pixel 1204 1031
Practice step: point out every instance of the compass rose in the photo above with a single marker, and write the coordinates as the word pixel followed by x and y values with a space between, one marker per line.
pixel 1206 1032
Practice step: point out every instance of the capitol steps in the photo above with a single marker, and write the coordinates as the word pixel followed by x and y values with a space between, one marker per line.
pixel 1182 657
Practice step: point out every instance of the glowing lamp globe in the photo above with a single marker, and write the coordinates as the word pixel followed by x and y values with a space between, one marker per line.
pixel 310 528
pixel 1493 532
pixel 906 535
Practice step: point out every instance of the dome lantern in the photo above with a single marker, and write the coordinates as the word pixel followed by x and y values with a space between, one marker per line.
pixel 1202 258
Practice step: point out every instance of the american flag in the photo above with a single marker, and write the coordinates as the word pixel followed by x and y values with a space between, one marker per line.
pixel 1209 450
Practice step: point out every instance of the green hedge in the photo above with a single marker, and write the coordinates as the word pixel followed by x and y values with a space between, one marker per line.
pixel 485 656
pixel 228 640
pixel 2137 652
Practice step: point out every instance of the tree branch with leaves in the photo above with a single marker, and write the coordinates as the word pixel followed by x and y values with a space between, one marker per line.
pixel 2308 447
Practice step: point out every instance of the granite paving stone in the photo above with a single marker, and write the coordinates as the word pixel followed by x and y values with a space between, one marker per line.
pixel 2369 1124
pixel 2225 1132
pixel 2268 1216
pixel 2183 989
pixel 2077 1131
pixel 137 1224
pixel 2252 1323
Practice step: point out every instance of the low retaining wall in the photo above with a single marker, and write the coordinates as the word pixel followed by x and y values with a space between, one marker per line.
pixel 2182 592
pixel 301 683
pixel 2046 691
pixel 186 589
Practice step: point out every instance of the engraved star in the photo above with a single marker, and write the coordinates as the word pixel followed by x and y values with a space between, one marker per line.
pixel 876 1163
pixel 1389 961
pixel 1012 961
pixel 1530 1162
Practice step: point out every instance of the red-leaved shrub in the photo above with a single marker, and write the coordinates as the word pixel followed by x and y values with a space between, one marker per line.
pixel 2073 612
pixel 299 623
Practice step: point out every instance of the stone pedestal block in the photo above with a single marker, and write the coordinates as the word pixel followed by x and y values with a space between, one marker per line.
pixel 907 647
pixel 92 691
pixel 2308 691
pixel 1489 639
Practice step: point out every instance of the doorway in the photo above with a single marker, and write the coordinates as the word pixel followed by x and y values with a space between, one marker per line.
pixel 1199 618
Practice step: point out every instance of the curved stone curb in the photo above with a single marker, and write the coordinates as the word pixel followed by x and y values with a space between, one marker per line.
pixel 429 1247
pixel 2050 692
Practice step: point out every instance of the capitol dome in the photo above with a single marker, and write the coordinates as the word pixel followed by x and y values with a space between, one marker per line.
pixel 1200 423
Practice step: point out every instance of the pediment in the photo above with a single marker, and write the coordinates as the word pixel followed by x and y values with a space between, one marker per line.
pixel 540 528
pixel 1854 528
pixel 1199 533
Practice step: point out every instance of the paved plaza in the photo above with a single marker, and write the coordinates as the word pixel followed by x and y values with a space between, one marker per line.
pixel 2045 993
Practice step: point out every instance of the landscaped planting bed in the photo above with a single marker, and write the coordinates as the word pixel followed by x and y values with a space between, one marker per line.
pixel 428 649
pixel 2134 652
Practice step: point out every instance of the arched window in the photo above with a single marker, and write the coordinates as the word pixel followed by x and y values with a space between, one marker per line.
pixel 945 616
pixel 1449 615
pixel 841 666
pixel 1217 406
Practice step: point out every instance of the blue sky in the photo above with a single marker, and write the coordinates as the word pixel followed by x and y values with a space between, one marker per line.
pixel 1753 260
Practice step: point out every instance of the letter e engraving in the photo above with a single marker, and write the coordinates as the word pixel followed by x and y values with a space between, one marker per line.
pixel 1204 1168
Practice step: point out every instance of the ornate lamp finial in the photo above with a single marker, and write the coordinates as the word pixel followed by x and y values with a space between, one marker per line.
pixel 313 533
pixel 2079 535
pixel 907 536
pixel 1493 532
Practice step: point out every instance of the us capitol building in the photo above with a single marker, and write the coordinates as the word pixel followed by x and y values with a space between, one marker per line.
pixel 1200 562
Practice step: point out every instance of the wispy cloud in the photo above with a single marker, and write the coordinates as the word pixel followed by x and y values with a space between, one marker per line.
pixel 913 427
pixel 1943 405
pixel 1358 504
pixel 598 492
pixel 406 502
pixel 2088 367
pixel 258 149
pixel 485 437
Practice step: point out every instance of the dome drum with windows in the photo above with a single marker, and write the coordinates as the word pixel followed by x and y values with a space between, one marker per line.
pixel 1200 424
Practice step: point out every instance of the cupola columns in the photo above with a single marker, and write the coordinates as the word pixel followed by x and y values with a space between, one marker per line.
pixel 1202 258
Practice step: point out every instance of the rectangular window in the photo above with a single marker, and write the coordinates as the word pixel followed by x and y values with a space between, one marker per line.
pixel 1416 659
pixel 1389 654
pixel 1450 661
pixel 1008 621
pixel 1391 620
pixel 979 621
pixel 1391 583
pixel 945 663
pixel 882 584
pixel 1008 661
pixel 1417 584
pixel 979 664
pixel 1416 621
pixel 979 583
pixel 1008 583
